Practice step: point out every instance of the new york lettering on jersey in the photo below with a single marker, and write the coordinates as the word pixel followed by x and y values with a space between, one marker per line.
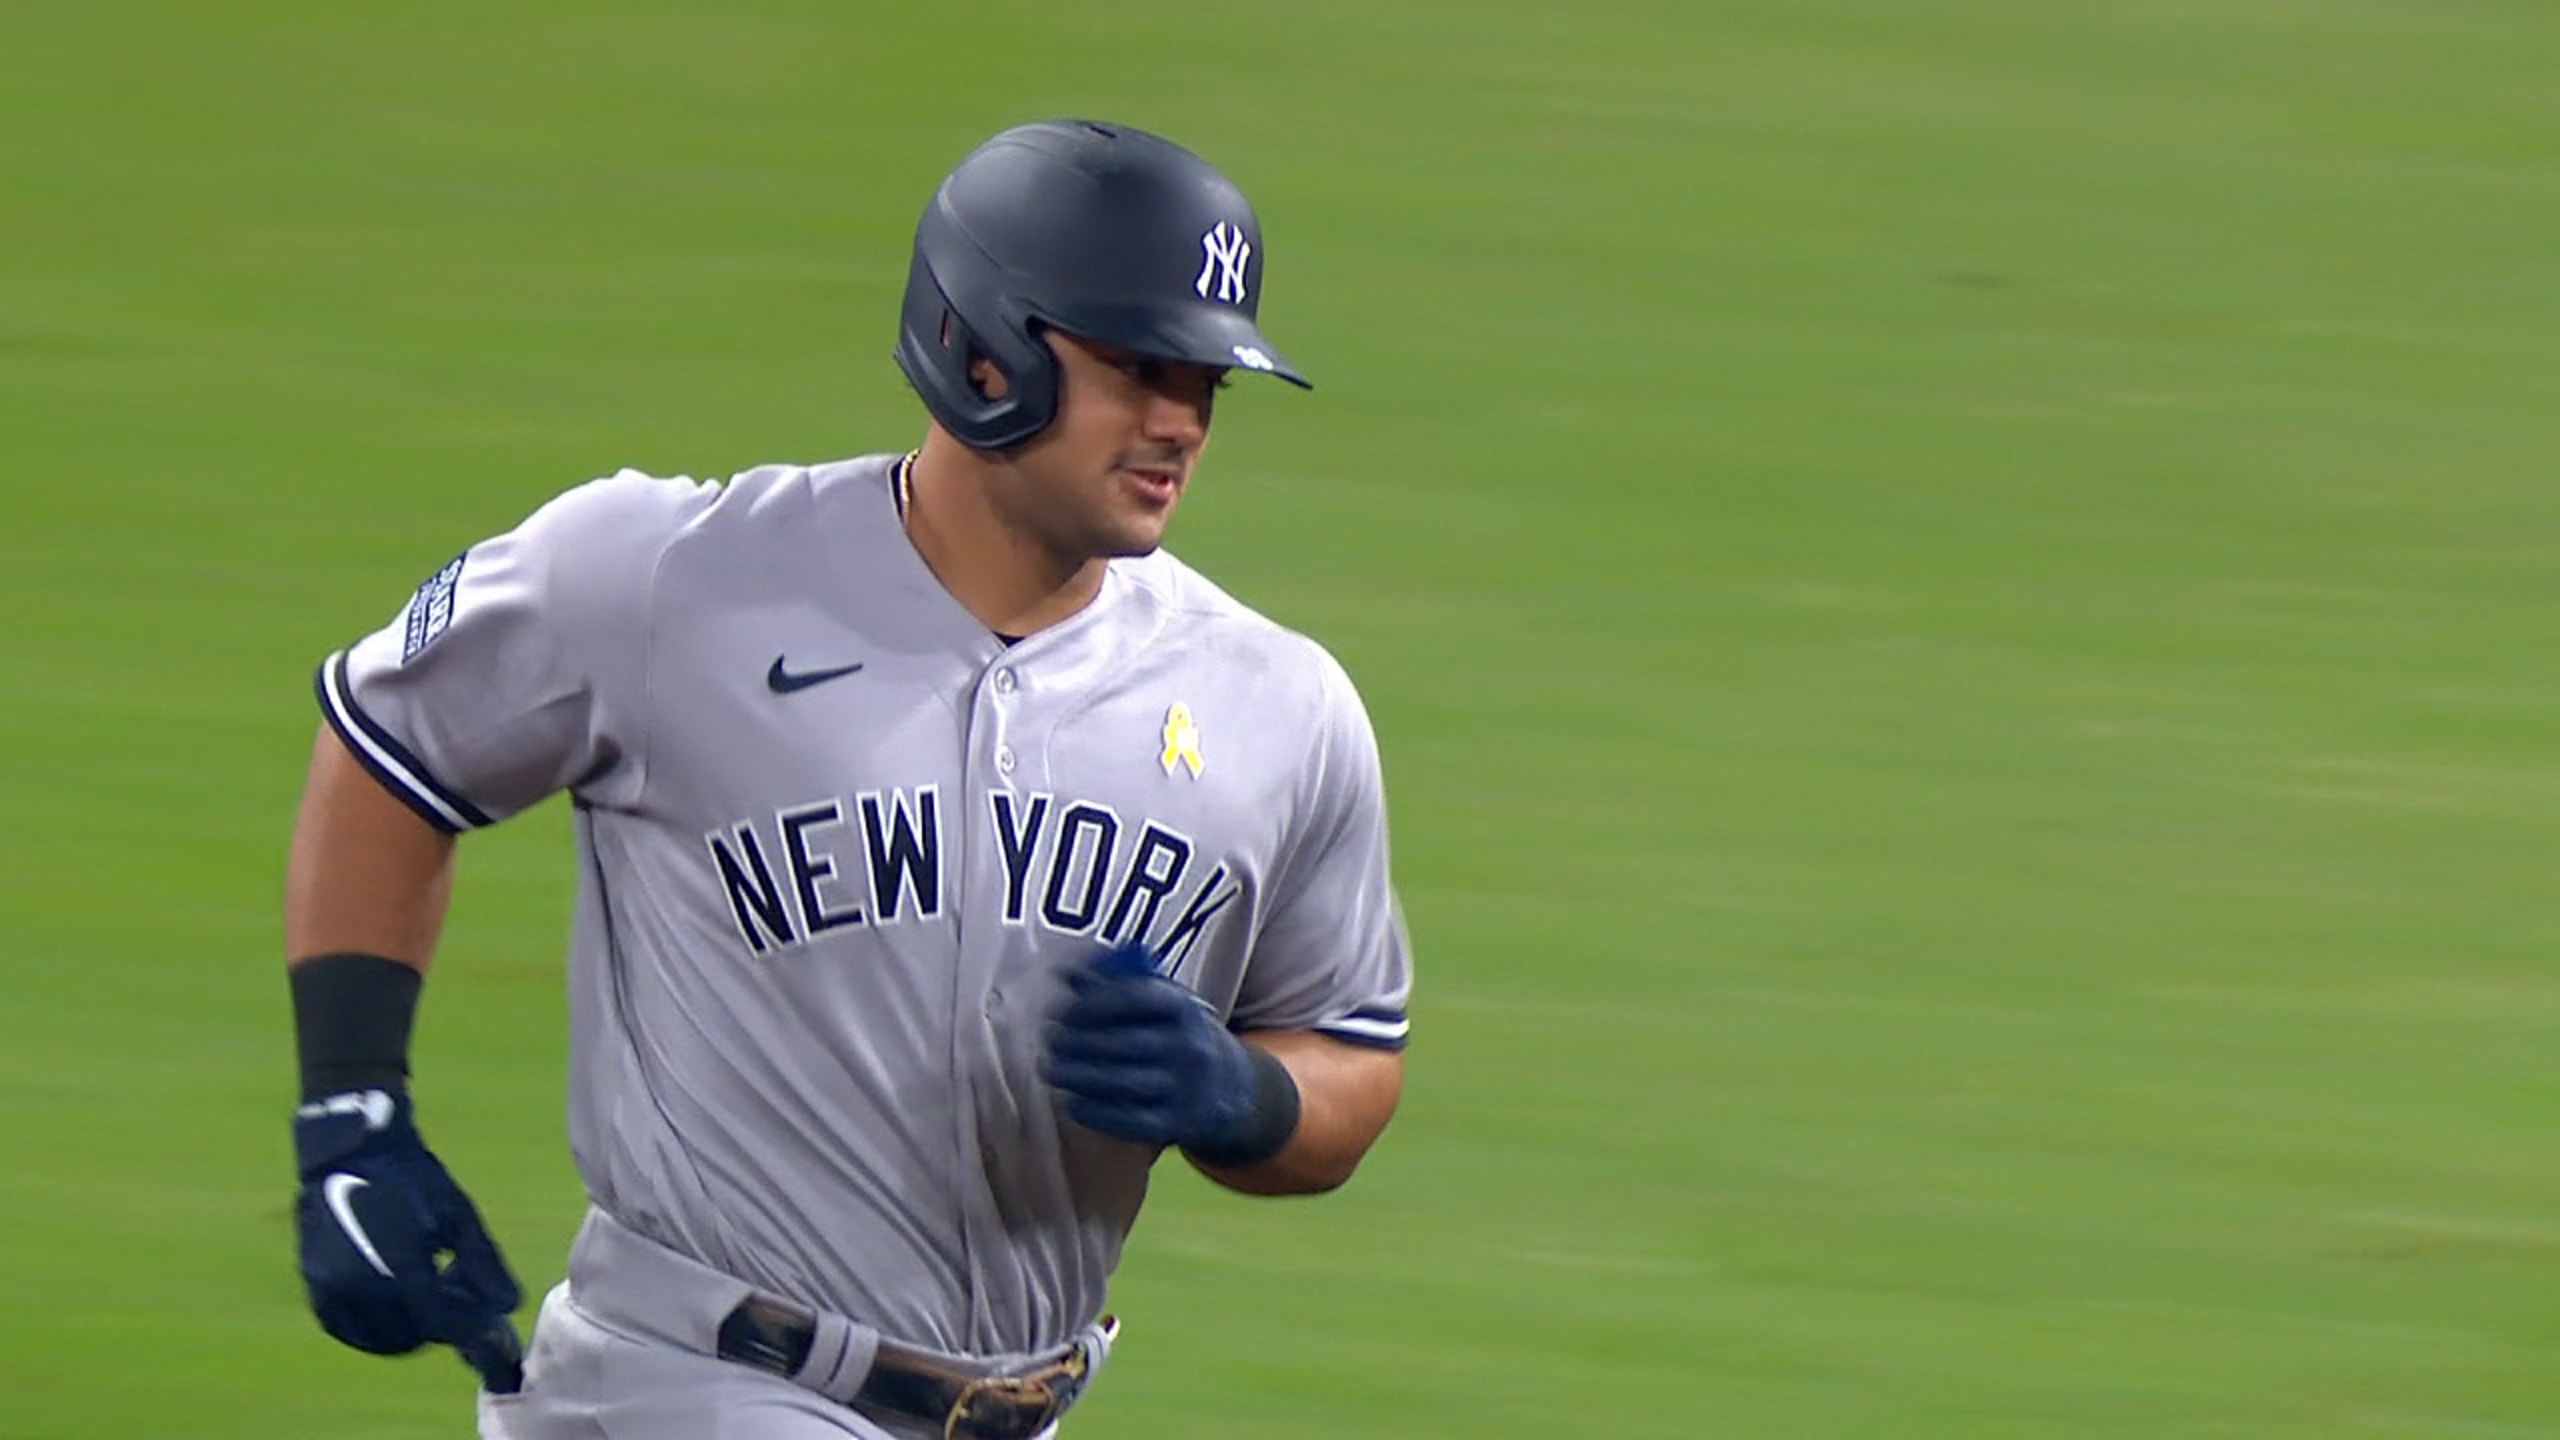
pixel 1072 867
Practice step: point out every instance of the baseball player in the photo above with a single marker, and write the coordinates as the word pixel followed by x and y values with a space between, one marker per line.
pixel 946 852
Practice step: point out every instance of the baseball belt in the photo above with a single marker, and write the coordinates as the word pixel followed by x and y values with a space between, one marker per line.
pixel 777 1336
pixel 627 1280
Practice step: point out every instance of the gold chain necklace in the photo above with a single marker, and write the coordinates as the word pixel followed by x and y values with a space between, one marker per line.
pixel 905 484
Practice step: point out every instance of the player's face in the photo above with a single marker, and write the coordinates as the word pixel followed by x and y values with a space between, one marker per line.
pixel 1103 479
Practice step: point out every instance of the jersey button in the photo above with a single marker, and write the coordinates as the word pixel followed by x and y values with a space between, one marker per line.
pixel 1004 759
pixel 1004 681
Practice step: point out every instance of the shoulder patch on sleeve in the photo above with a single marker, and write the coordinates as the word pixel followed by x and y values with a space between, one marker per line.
pixel 430 610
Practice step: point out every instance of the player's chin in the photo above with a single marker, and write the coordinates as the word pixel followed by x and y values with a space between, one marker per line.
pixel 1129 538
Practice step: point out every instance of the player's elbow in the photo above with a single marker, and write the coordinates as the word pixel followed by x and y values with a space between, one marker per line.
pixel 1325 1178
pixel 1284 1175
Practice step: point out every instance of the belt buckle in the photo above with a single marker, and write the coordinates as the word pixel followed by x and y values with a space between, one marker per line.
pixel 992 1407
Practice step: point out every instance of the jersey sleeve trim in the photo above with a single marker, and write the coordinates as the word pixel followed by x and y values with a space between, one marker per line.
pixel 1379 1029
pixel 387 759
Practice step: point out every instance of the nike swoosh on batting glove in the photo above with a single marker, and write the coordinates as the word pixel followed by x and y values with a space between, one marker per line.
pixel 393 1253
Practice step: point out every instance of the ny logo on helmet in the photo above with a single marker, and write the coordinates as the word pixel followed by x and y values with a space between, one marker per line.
pixel 1226 251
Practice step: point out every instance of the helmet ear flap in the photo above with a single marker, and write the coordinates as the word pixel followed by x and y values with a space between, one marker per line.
pixel 938 343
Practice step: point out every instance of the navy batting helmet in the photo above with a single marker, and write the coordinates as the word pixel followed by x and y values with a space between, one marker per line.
pixel 1103 231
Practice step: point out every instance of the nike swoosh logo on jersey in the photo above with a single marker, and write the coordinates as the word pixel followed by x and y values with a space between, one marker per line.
pixel 783 682
pixel 339 1190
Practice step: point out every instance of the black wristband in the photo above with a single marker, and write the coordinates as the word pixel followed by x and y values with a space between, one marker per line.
pixel 351 1021
pixel 1270 1125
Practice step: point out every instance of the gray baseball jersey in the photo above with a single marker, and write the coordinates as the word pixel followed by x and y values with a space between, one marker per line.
pixel 837 845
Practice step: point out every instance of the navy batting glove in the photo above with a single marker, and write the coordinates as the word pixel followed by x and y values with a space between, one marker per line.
pixel 1140 1056
pixel 393 1254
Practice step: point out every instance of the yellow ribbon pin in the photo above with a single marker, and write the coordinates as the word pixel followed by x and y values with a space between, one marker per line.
pixel 1181 740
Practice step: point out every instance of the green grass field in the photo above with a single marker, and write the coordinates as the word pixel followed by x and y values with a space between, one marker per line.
pixel 1961 599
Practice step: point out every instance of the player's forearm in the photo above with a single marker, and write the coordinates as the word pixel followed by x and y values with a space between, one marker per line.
pixel 367 876
pixel 1346 1095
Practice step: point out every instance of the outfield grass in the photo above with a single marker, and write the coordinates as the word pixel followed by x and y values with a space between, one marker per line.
pixel 1960 597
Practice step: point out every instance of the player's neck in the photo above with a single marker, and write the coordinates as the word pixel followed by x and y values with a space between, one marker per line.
pixel 1010 581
